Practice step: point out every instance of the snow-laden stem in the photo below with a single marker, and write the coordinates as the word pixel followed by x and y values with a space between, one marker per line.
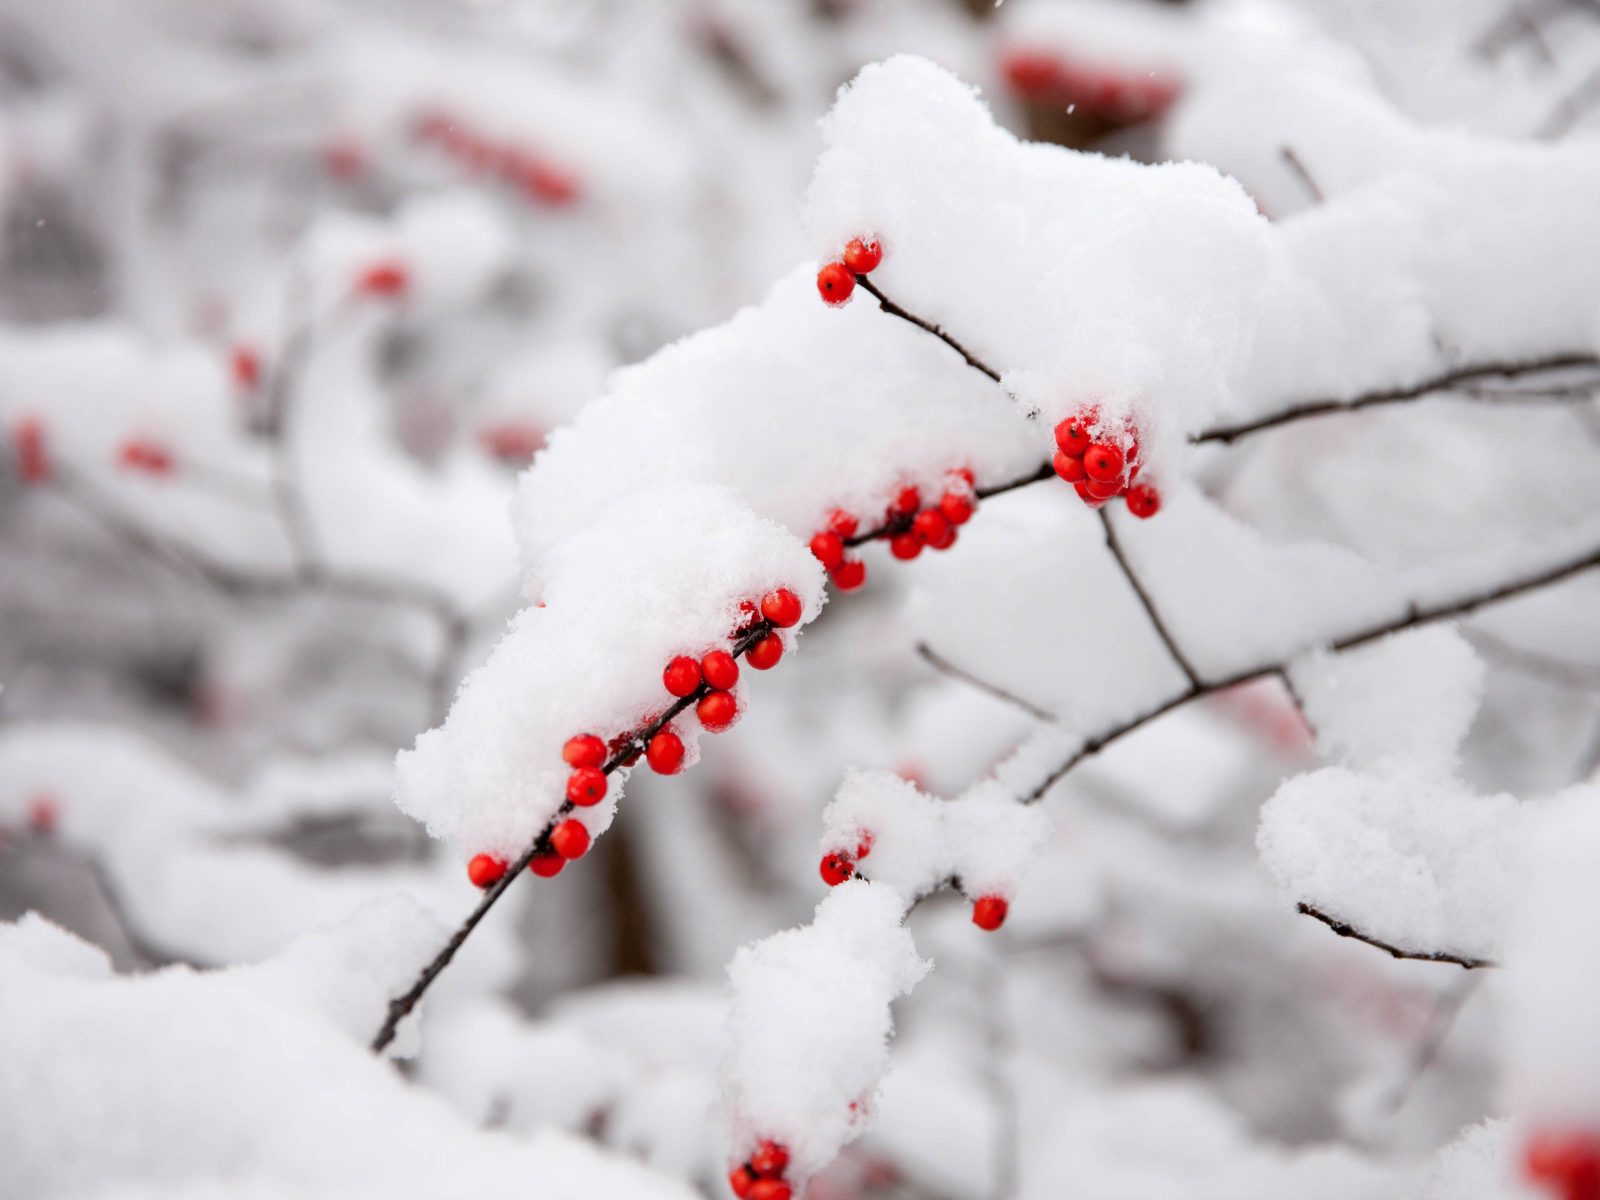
pixel 1346 930
pixel 1146 602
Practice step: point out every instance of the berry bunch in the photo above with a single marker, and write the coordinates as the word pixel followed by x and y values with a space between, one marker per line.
pixel 837 279
pixel 1119 97
pixel 384 278
pixel 706 683
pixel 1102 465
pixel 760 1177
pixel 1566 1162
pixel 908 525
pixel 532 175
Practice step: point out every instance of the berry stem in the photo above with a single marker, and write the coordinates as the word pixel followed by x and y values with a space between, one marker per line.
pixel 1132 576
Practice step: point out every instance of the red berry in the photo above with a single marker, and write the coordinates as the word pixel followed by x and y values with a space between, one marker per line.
pixel 957 507
pixel 42 813
pixel 717 710
pixel 623 744
pixel 776 1189
pixel 764 655
pixel 1068 467
pixel 720 669
pixel 513 442
pixel 905 545
pixel 1144 501
pixel 546 866
pixel 966 476
pixel 835 869
pixel 907 501
pixel 989 912
pixel 828 549
pixel 1030 73
pixel 1103 491
pixel 861 257
pixel 864 846
pixel 246 366
pixel 682 676
pixel 586 786
pixel 389 277
pixel 1088 497
pixel 665 753
pixel 945 540
pixel 1103 461
pixel 27 441
pixel 740 1181
pixel 842 523
pixel 770 1160
pixel 585 750
pixel 140 454
pixel 931 526
pixel 782 607
pixel 835 283
pixel 1569 1160
pixel 849 575
pixel 570 839
pixel 485 870
pixel 1132 452
pixel 1072 435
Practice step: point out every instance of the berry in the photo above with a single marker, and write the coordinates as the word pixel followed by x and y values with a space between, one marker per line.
pixel 770 1160
pixel 828 549
pixel 27 442
pixel 849 575
pixel 1084 494
pixel 570 839
pixel 665 753
pixel 907 501
pixel 864 846
pixel 957 507
pixel 42 814
pixel 682 676
pixel 861 257
pixel 1103 491
pixel 931 526
pixel 905 545
pixel 990 912
pixel 1072 435
pixel 835 869
pixel 513 442
pixel 835 283
pixel 740 1181
pixel 1144 501
pixel 388 277
pixel 586 786
pixel 1068 467
pixel 1103 461
pixel 720 669
pixel 1568 1160
pixel 245 364
pixel 764 655
pixel 770 1189
pixel 782 607
pixel 547 865
pixel 842 523
pixel 717 710
pixel 139 454
pixel 485 870
pixel 1030 73
pixel 585 750
pixel 945 539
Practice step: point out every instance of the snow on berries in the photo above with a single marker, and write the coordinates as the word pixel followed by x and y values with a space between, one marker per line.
pixel 907 526
pixel 1101 459
pixel 837 280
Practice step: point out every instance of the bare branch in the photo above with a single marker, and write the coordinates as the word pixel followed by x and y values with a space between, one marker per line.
pixel 893 309
pixel 1148 604
pixel 1346 930
pixel 1307 180
pixel 942 664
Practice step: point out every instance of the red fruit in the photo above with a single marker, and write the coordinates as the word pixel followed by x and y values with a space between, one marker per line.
pixel 835 283
pixel 585 750
pixel 1144 501
pixel 776 1189
pixel 42 814
pixel 835 869
pixel 586 786
pixel 1103 461
pixel 682 676
pixel 740 1180
pixel 990 912
pixel 907 501
pixel 1030 73
pixel 1132 452
pixel 1072 435
pixel 945 539
pixel 1068 467
pixel 245 364
pixel 546 866
pixel 139 454
pixel 1103 491
pixel 343 159
pixel 388 277
pixel 861 257
pixel 770 1160
pixel 828 549
pixel 842 523
pixel 957 507
pixel 782 607
pixel 717 710
pixel 514 442
pixel 905 545
pixel 27 442
pixel 485 870
pixel 1088 497
pixel 864 846
pixel 849 575
pixel 720 669
pixel 931 526
pixel 665 753
pixel 1568 1160
pixel 570 839
pixel 545 183
pixel 764 655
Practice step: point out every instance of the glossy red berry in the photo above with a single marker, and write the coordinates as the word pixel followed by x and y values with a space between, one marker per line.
pixel 547 865
pixel 770 1160
pixel 720 670
pixel 740 1180
pixel 1144 501
pixel 27 442
pixel 1073 436
pixel 585 750
pixel 140 454
pixel 570 839
pixel 1088 497
pixel 905 545
pixel 485 870
pixel 764 655
pixel 828 549
pixel 945 539
pixel 849 575
pixel 717 710
pixel 1103 462
pixel 990 912
pixel 835 869
pixel 586 786
pixel 1567 1160
pixel 782 607
pixel 665 753
pixel 682 676
pixel 957 507
pixel 842 523
pixel 1103 491
pixel 389 277
pixel 770 1189
pixel 907 501
pixel 245 364
pixel 1068 467
pixel 862 256
pixel 931 526
pixel 835 283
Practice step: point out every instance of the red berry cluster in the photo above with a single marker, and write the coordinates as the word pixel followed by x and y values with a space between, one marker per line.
pixel 908 525
pixel 145 455
pixel 837 279
pixel 839 865
pixel 1096 464
pixel 1119 97
pixel 535 177
pixel 28 446
pixel 1567 1162
pixel 385 278
pixel 707 682
pixel 244 363
pixel 760 1177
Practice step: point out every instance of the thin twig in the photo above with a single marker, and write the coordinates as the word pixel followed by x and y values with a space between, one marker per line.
pixel 1128 573
pixel 893 309
pixel 1307 180
pixel 942 664
pixel 1571 109
pixel 1345 930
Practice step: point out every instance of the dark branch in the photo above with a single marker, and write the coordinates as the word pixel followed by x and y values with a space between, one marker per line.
pixel 1128 573
pixel 1307 180
pixel 1346 930
pixel 1571 109
pixel 942 664
pixel 893 309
